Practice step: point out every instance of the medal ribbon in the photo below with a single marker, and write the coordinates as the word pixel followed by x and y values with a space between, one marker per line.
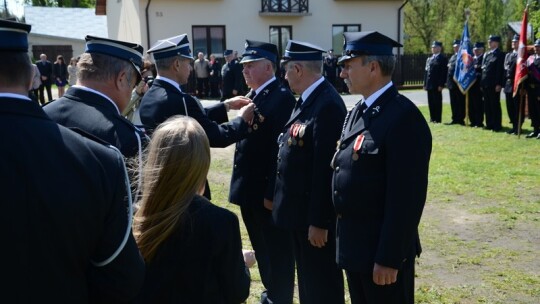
pixel 296 129
pixel 358 143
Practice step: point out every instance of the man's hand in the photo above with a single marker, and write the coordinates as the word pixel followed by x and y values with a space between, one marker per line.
pixel 498 88
pixel 383 275
pixel 247 113
pixel 317 236
pixel 249 257
pixel 237 102
pixel 268 204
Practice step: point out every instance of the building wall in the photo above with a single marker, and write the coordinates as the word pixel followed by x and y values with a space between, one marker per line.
pixel 77 45
pixel 242 21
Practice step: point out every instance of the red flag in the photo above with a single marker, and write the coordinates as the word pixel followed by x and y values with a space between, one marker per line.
pixel 521 64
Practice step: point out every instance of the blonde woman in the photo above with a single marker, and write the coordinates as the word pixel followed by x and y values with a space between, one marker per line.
pixel 192 248
pixel 72 72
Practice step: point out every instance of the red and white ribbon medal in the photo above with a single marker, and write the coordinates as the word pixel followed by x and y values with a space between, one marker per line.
pixel 357 145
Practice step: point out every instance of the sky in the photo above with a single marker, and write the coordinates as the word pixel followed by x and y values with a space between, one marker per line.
pixel 16 7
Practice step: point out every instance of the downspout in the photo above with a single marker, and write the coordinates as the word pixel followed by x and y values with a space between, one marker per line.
pixel 402 80
pixel 399 22
pixel 147 23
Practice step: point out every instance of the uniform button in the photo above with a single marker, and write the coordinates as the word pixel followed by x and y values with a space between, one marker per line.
pixel 235 166
pixel 336 192
pixel 277 172
pixel 337 169
pixel 343 146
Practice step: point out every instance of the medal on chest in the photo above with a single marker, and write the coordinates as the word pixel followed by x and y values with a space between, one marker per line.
pixel 357 145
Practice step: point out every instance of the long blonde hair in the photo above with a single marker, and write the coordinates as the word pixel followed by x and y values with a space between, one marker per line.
pixel 175 170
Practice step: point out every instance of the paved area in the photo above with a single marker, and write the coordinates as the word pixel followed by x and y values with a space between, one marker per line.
pixel 419 97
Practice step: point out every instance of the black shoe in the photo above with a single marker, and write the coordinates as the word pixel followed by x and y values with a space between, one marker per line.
pixel 532 134
pixel 496 130
pixel 511 132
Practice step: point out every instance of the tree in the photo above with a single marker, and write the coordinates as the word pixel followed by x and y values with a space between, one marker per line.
pixel 428 20
pixel 63 3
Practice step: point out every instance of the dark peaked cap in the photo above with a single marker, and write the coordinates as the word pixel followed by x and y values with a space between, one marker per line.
pixel 170 47
pixel 256 50
pixel 127 51
pixel 366 43
pixel 303 51
pixel 14 36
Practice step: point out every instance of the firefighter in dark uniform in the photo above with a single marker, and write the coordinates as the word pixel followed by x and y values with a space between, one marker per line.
pixel 457 99
pixel 512 103
pixel 254 172
pixel 533 90
pixel 165 98
pixel 491 84
pixel 66 212
pixel 96 103
pixel 476 100
pixel 434 80
pixel 231 75
pixel 303 198
pixel 380 176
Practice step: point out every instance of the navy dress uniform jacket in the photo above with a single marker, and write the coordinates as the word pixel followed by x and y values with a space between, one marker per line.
pixel 379 198
pixel 231 74
pixel 163 100
pixel 436 71
pixel 62 209
pixel 303 178
pixel 254 170
pixel 96 115
pixel 201 262
pixel 493 69
pixel 450 82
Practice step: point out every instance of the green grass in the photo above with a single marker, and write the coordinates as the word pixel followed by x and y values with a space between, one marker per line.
pixel 480 229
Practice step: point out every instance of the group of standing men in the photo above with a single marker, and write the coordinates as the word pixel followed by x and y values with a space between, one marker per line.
pixel 495 73
pixel 304 201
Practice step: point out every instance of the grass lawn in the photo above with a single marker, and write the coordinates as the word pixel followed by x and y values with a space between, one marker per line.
pixel 480 229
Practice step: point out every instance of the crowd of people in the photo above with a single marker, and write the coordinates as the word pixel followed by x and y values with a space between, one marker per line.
pixel 495 73
pixel 121 211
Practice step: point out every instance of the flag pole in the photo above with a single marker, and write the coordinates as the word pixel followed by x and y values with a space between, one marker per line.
pixel 520 109
pixel 467 13
pixel 467 108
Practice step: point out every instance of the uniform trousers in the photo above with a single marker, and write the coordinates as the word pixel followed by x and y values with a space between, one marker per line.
pixel 43 87
pixel 435 105
pixel 476 106
pixel 492 108
pixel 457 104
pixel 364 291
pixel 534 107
pixel 510 106
pixel 319 278
pixel 274 253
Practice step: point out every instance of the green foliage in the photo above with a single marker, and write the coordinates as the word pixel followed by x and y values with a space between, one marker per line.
pixel 443 20
pixel 63 3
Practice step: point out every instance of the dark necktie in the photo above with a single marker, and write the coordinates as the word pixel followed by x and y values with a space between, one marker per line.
pixel 298 103
pixel 358 114
pixel 251 94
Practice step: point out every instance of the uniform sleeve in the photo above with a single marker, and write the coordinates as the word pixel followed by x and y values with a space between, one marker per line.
pixel 408 150
pixel 121 279
pixel 326 131
pixel 219 135
pixel 233 274
pixel 283 113
pixel 500 69
pixel 217 113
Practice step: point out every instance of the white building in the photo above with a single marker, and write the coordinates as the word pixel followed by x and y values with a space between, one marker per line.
pixel 61 30
pixel 215 25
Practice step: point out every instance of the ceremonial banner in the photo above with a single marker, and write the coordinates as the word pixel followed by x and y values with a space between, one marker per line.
pixel 465 75
pixel 521 64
